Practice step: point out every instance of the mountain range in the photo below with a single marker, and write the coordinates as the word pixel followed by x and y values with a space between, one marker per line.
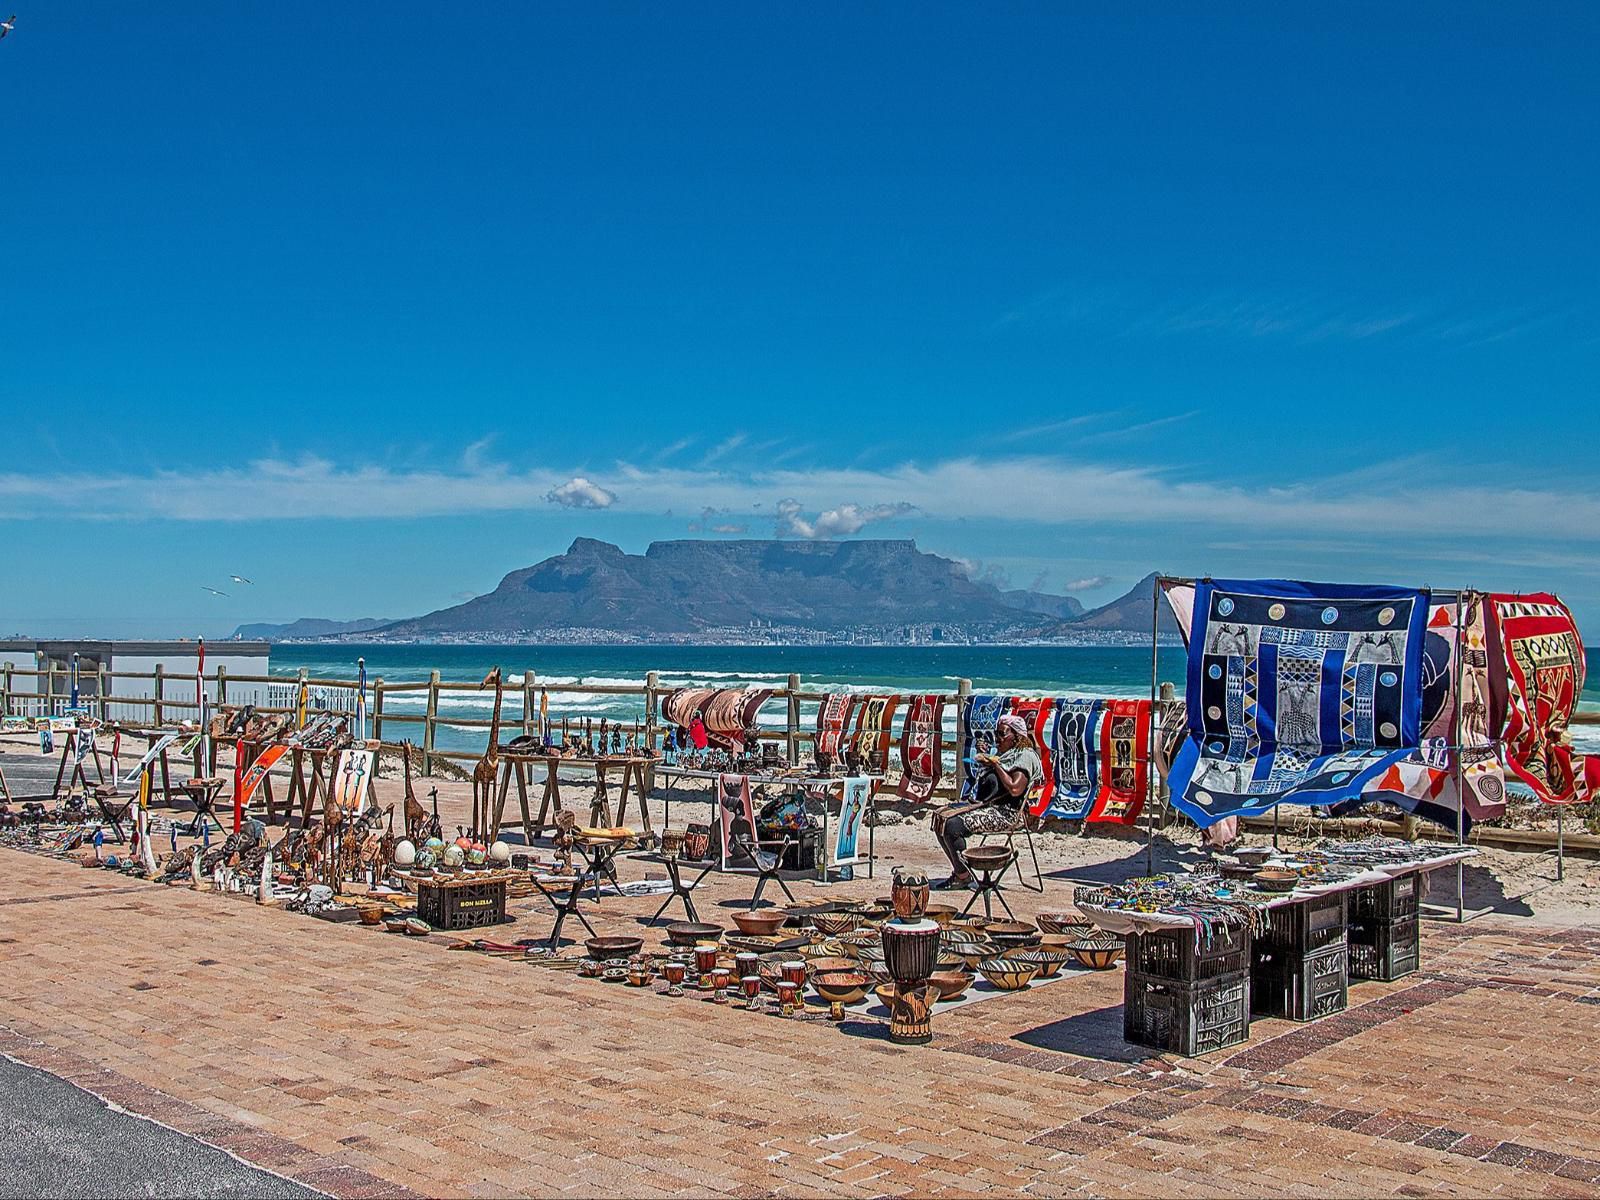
pixel 690 589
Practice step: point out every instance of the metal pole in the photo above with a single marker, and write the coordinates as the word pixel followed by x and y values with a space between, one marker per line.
pixel 1275 808
pixel 1150 773
pixel 1561 859
pixel 1461 791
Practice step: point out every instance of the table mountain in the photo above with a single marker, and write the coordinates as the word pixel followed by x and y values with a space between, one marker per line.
pixel 685 587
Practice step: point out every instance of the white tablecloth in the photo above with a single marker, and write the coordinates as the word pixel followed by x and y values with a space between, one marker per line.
pixel 1122 921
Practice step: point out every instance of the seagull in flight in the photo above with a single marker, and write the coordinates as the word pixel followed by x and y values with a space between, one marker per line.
pixel 212 590
pixel 238 579
pixel 8 25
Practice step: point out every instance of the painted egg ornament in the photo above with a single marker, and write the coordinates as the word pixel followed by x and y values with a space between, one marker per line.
pixel 453 855
pixel 475 856
pixel 433 844
pixel 405 854
pixel 500 854
pixel 464 842
pixel 426 860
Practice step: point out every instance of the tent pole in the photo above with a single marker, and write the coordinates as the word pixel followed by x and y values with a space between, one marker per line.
pixel 1561 860
pixel 1150 757
pixel 1462 599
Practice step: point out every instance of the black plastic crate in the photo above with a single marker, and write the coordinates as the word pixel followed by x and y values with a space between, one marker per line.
pixel 1304 926
pixel 1185 956
pixel 1301 987
pixel 1186 1018
pixel 453 906
pixel 1385 950
pixel 1387 901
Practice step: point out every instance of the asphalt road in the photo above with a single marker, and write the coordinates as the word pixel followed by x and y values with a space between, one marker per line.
pixel 60 1141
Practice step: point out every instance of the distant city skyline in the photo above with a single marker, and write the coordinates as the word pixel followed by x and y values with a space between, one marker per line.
pixel 371 312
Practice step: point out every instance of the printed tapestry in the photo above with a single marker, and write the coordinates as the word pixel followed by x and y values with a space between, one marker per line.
pixel 1077 757
pixel 874 728
pixel 977 737
pixel 1298 693
pixel 1124 762
pixel 1544 672
pixel 922 748
pixel 1424 783
pixel 1040 714
pixel 833 715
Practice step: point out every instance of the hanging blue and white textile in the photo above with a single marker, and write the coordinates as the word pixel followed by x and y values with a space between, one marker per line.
pixel 1298 693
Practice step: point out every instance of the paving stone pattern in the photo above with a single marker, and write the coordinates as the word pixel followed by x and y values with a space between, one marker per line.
pixel 367 1064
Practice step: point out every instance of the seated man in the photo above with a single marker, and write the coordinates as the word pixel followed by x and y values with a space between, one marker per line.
pixel 1004 781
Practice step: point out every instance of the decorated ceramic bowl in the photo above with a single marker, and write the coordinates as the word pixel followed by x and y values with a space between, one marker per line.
pixel 1098 954
pixel 1008 974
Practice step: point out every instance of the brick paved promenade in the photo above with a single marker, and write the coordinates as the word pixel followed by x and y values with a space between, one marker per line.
pixel 363 1063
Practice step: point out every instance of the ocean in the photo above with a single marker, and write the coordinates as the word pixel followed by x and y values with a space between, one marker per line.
pixel 1015 670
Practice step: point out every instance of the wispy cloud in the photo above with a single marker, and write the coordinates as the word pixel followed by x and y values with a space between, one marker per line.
pixel 1409 499
pixel 1302 318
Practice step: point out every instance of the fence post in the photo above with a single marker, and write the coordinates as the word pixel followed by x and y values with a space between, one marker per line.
pixel 5 690
pixel 431 715
pixel 963 690
pixel 529 701
pixel 652 685
pixel 160 687
pixel 50 689
pixel 793 741
pixel 102 686
pixel 377 709
pixel 222 685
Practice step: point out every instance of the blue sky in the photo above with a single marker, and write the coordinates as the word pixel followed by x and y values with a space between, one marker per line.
pixel 344 301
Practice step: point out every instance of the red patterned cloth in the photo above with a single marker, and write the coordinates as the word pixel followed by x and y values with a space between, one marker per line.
pixel 833 715
pixel 922 748
pixel 1040 716
pixel 1124 762
pixel 874 728
pixel 1543 679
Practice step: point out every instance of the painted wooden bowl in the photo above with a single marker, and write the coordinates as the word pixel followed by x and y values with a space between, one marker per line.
pixel 833 924
pixel 1099 954
pixel 951 984
pixel 760 924
pixel 605 948
pixel 840 987
pixel 687 933
pixel 1049 959
pixel 1008 974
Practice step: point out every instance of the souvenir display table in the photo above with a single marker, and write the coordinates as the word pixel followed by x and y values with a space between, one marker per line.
pixel 1206 952
pixel 519 768
pixel 828 785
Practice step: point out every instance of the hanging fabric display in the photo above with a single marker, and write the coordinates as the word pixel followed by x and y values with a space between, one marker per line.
pixel 1543 672
pixel 1076 761
pixel 1297 693
pixel 1124 762
pixel 833 715
pixel 977 737
pixel 1040 717
pixel 922 748
pixel 874 728
pixel 1425 783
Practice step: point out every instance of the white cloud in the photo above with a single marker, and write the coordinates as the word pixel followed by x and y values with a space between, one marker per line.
pixel 579 492
pixel 1407 499
pixel 843 521
pixel 1088 584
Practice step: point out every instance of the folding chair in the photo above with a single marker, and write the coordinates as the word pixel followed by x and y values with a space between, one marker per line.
pixel 1025 824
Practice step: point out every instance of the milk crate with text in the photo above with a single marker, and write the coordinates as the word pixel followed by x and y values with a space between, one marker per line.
pixel 453 906
pixel 1301 987
pixel 1187 956
pixel 1387 901
pixel 1186 1018
pixel 1385 950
